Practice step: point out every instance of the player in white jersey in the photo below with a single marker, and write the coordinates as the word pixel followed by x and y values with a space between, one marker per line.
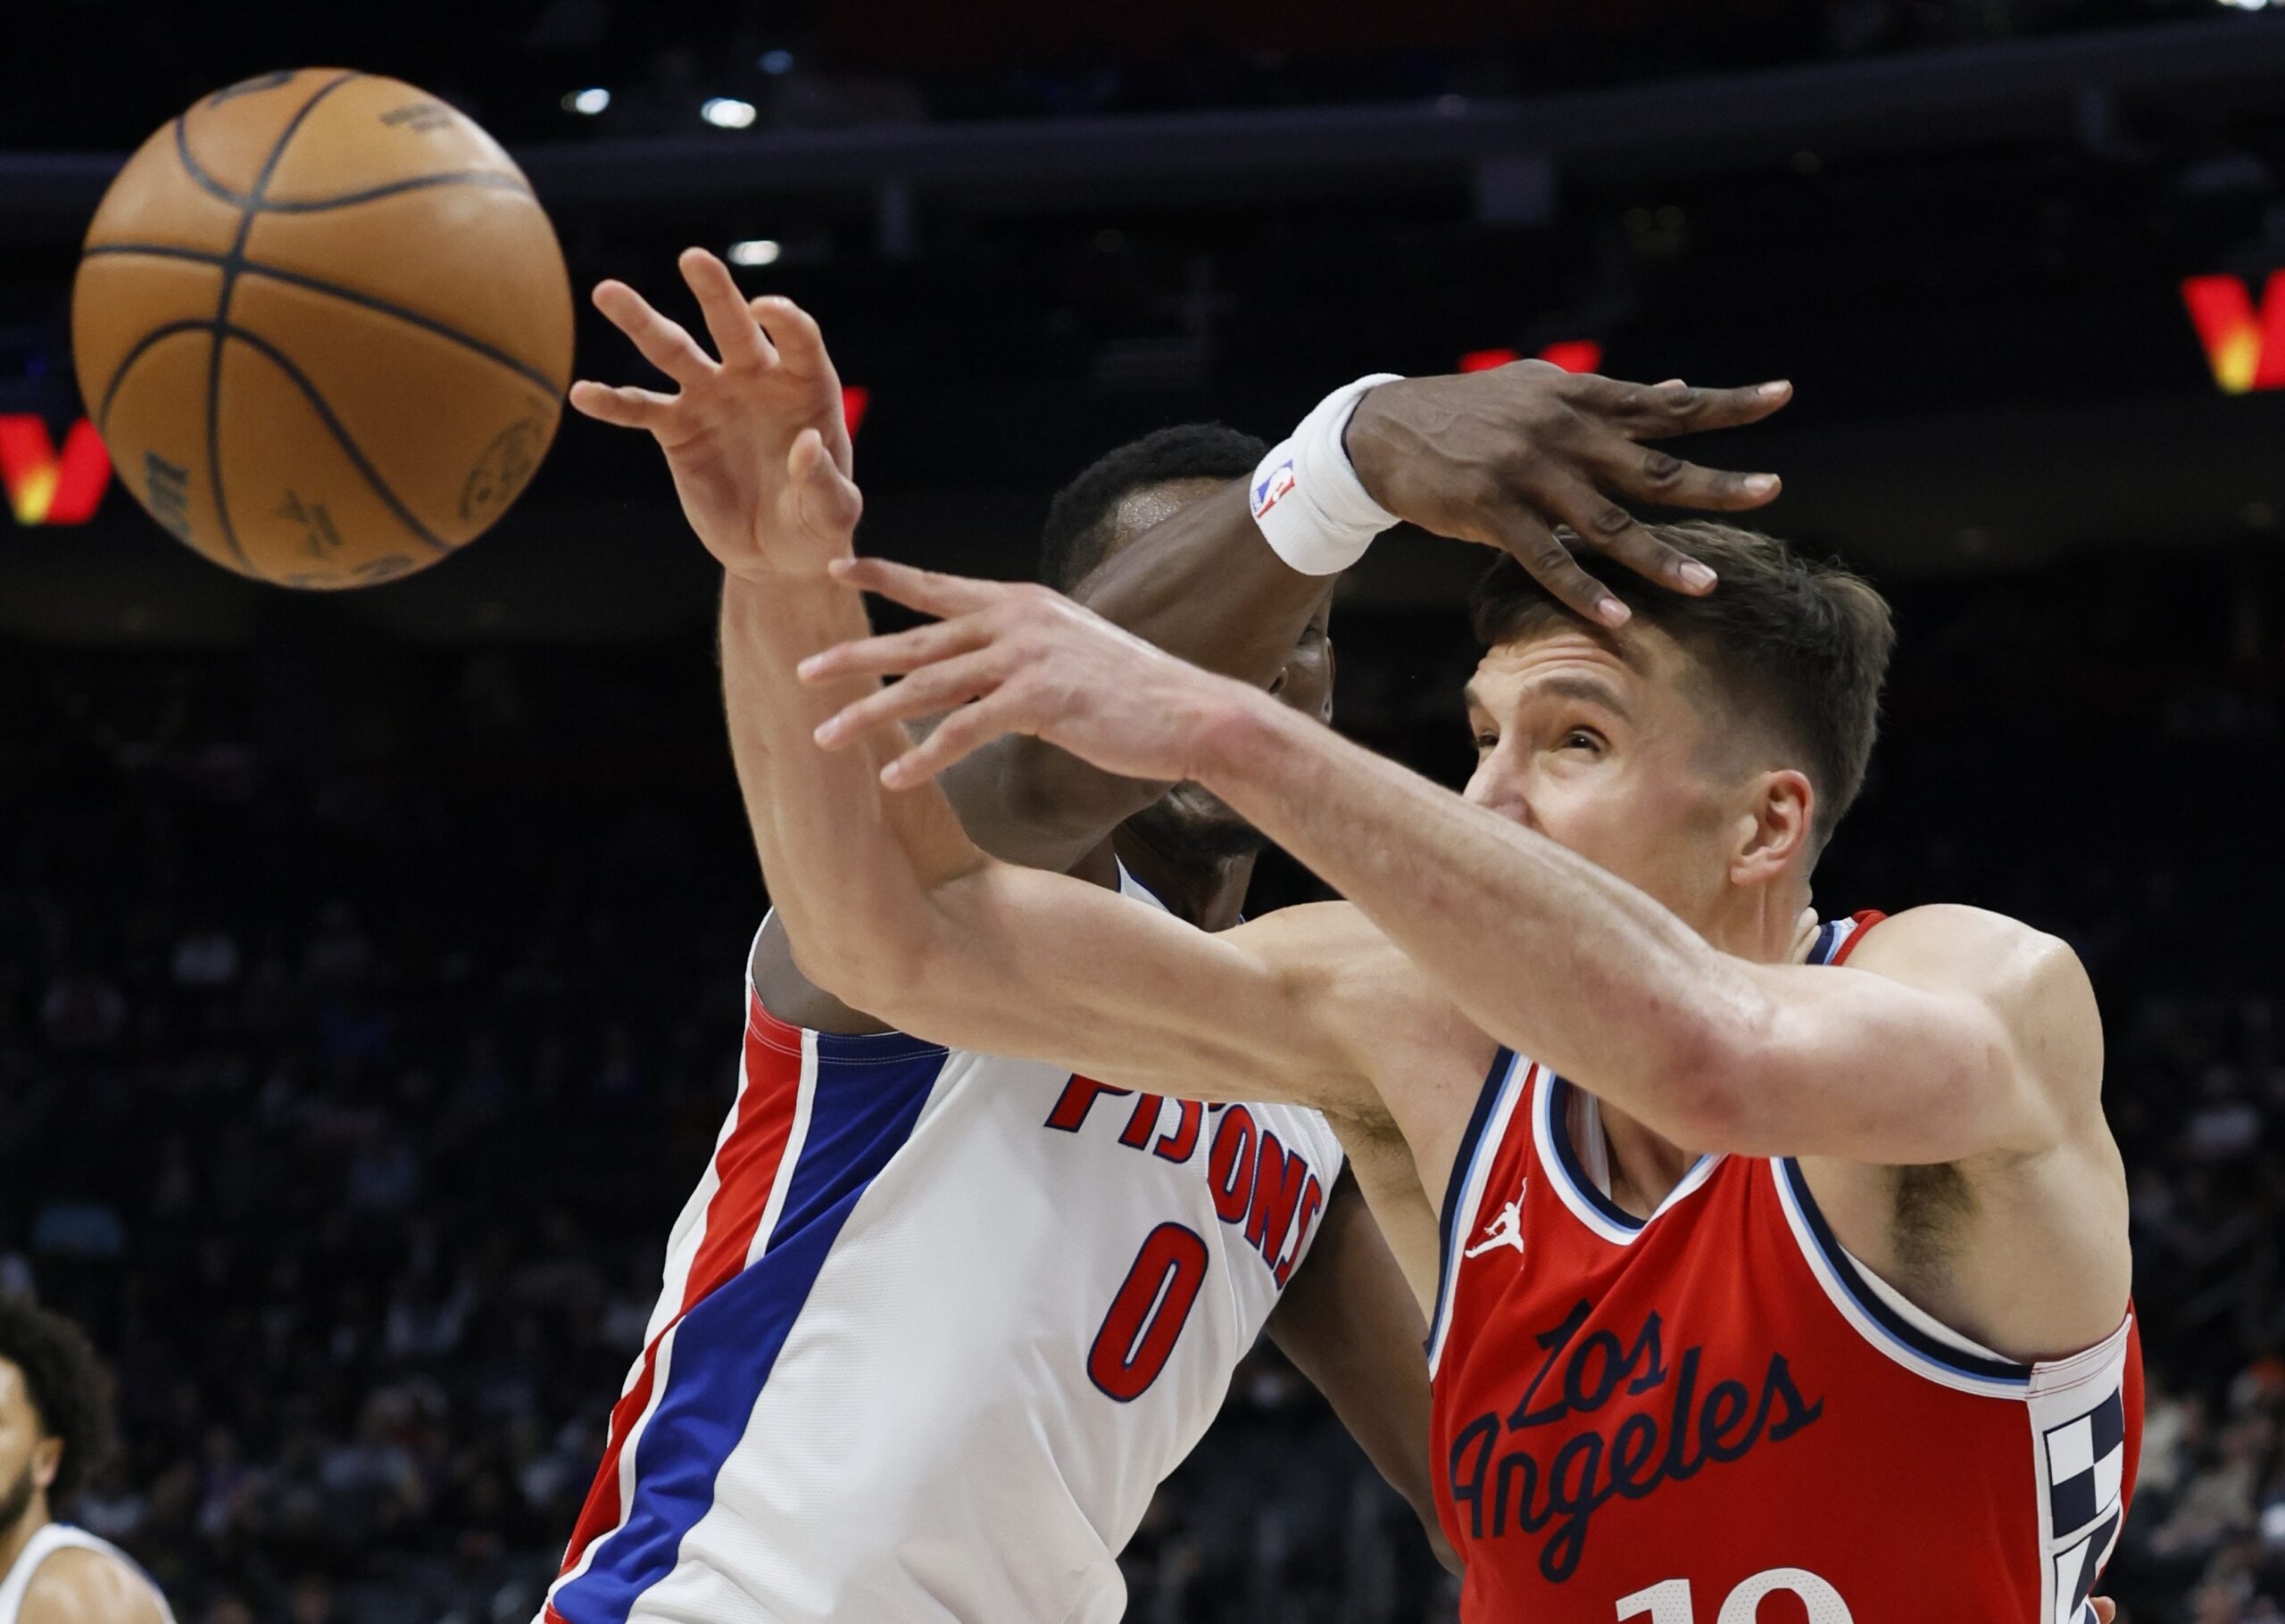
pixel 50 1424
pixel 936 1323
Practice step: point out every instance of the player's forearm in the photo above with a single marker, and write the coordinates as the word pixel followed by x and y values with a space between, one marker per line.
pixel 1543 949
pixel 851 868
pixel 1202 585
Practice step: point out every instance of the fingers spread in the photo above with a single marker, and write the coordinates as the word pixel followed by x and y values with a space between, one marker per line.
pixel 623 404
pixel 1611 529
pixel 800 346
pixel 664 344
pixel 962 734
pixel 736 334
pixel 896 654
pixel 1677 408
pixel 925 590
pixel 1549 563
pixel 925 692
pixel 1644 474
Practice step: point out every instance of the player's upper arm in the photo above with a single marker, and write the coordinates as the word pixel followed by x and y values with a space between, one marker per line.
pixel 1951 1032
pixel 1041 965
pixel 81 1586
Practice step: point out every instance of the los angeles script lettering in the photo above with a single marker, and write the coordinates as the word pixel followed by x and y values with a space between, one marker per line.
pixel 1666 1441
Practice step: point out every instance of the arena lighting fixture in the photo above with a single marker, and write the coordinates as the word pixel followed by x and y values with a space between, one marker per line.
pixel 726 113
pixel 755 251
pixel 778 62
pixel 591 101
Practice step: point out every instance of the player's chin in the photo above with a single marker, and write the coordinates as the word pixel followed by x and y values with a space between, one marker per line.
pixel 1202 824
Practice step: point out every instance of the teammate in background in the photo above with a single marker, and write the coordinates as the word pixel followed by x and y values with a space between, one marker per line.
pixel 1800 1260
pixel 54 1424
pixel 938 1322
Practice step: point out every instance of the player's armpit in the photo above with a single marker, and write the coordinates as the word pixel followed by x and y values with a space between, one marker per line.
pixel 1350 1323
pixel 80 1586
pixel 1952 1032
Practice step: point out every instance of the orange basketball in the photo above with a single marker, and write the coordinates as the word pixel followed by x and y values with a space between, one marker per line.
pixel 324 327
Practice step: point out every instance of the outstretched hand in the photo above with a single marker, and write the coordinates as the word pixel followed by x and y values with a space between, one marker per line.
pixel 1503 457
pixel 1014 657
pixel 756 440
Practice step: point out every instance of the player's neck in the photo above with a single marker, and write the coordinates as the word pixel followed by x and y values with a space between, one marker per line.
pixel 1765 926
pixel 1645 1167
pixel 14 1539
pixel 1207 893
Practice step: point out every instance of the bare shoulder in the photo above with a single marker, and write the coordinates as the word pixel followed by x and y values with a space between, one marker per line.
pixel 83 1587
pixel 1426 1059
pixel 2032 983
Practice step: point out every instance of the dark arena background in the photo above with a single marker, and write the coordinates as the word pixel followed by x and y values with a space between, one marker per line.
pixel 370 963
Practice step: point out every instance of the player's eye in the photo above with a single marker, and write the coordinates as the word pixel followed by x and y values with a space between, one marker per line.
pixel 1583 738
pixel 1486 742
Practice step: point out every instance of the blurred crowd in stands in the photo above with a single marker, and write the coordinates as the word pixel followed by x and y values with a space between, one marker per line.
pixel 366 1011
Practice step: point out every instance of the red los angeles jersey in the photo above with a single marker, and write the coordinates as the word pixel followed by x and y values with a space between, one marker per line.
pixel 1690 1419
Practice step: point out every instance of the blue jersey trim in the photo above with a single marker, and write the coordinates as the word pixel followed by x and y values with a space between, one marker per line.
pixel 1487 1099
pixel 1894 1325
pixel 862 1112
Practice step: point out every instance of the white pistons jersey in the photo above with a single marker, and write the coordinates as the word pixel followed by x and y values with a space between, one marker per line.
pixel 46 1540
pixel 934 1326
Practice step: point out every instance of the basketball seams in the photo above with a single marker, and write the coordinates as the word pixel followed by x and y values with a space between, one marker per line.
pixel 333 427
pixel 490 171
pixel 197 173
pixel 318 285
pixel 119 374
pixel 495 178
pixel 342 437
pixel 222 333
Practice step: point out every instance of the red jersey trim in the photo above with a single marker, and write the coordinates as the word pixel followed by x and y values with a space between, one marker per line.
pixel 1847 934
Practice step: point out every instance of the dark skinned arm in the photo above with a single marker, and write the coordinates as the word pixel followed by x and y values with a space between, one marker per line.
pixel 1497 458
pixel 1349 1323
pixel 1201 584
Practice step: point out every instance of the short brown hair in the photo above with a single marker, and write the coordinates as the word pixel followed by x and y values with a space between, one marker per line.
pixel 1800 644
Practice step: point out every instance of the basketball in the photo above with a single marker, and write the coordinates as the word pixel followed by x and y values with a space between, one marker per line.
pixel 324 327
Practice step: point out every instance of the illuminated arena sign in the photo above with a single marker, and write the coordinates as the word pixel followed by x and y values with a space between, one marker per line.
pixel 1571 354
pixel 2245 346
pixel 48 487
pixel 45 486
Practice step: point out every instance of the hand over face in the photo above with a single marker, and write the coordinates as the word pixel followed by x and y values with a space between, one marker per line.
pixel 756 441
pixel 1013 657
pixel 1503 457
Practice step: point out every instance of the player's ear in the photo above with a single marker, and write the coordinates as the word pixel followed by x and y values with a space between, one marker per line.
pixel 47 1459
pixel 1775 826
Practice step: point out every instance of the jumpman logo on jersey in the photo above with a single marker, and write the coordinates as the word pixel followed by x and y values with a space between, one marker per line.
pixel 1505 1230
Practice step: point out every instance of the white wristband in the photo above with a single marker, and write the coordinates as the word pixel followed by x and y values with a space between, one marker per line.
pixel 1313 510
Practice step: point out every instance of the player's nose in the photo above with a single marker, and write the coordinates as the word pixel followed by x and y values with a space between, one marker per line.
pixel 1498 790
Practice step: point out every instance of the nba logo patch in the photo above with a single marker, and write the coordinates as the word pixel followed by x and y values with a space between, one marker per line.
pixel 1267 494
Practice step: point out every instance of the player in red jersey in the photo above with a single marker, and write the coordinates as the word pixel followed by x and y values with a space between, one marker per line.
pixel 1052 1474
pixel 1765 1275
